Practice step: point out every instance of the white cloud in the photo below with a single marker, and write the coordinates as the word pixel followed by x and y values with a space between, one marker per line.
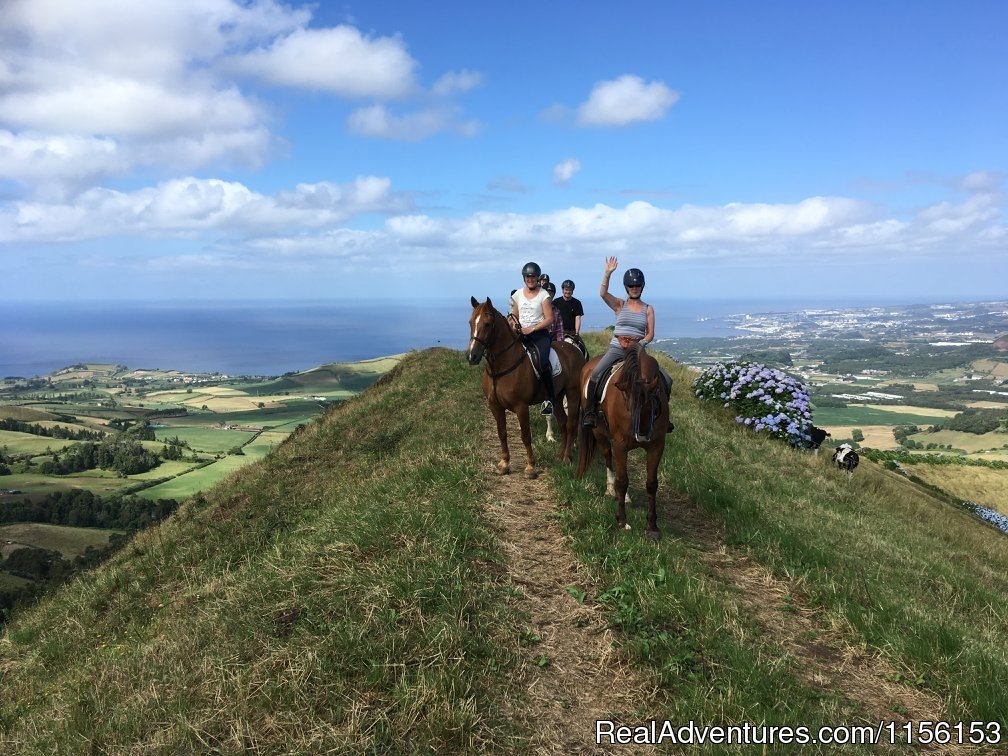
pixel 626 100
pixel 981 181
pixel 457 83
pixel 190 205
pixel 124 107
pixel 45 159
pixel 377 121
pixel 564 171
pixel 94 90
pixel 310 224
pixel 339 60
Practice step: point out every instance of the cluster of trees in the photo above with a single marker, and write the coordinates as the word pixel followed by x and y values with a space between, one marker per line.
pixel 920 360
pixel 58 431
pixel 977 421
pixel 84 509
pixel 124 455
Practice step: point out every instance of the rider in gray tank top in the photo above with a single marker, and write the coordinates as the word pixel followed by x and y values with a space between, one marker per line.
pixel 634 323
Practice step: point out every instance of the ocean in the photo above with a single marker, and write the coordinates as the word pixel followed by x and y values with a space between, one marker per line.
pixel 271 338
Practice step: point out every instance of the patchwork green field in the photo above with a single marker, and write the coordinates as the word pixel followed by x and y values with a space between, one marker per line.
pixel 220 416
pixel 35 484
pixel 857 414
pixel 202 438
pixel 26 443
pixel 68 541
pixel 198 480
pixel 970 443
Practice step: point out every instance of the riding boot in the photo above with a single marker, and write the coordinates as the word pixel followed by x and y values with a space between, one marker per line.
pixel 588 417
pixel 547 381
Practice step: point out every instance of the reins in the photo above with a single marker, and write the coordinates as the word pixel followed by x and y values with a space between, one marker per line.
pixel 491 358
pixel 637 397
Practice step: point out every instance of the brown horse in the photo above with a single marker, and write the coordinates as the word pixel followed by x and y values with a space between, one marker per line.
pixel 633 414
pixel 510 383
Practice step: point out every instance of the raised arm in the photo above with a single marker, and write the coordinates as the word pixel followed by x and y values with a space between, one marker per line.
pixel 615 303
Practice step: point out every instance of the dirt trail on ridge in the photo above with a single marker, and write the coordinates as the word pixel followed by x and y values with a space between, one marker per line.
pixel 576 676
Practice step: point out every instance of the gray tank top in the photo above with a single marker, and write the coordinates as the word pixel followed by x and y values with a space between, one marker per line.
pixel 630 323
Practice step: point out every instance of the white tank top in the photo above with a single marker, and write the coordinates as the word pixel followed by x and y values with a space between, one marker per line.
pixel 530 311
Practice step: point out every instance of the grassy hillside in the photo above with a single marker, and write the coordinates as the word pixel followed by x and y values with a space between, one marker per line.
pixel 346 594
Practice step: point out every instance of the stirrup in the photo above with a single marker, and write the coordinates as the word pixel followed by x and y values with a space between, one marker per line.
pixel 547 408
pixel 588 420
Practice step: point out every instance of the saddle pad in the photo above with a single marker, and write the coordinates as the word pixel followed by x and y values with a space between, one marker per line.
pixel 554 362
pixel 555 367
pixel 612 374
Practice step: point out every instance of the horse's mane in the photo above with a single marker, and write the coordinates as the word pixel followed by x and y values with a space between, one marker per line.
pixel 633 382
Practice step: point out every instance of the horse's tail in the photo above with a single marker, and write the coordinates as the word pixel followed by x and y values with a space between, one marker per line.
pixel 586 449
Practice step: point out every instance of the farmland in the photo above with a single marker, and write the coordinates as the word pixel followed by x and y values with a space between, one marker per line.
pixel 889 379
pixel 217 423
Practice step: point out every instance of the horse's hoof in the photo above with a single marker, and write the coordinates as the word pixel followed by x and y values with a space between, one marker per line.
pixel 653 535
pixel 502 468
pixel 531 473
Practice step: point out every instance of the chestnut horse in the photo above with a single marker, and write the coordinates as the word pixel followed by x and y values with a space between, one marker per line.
pixel 510 383
pixel 634 413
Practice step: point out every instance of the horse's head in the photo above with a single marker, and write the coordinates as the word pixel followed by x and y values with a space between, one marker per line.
pixel 482 325
pixel 640 382
pixel 640 372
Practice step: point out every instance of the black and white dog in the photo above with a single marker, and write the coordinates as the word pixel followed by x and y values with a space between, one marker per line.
pixel 845 458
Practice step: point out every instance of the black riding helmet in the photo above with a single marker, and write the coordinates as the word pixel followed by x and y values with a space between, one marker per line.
pixel 544 279
pixel 550 288
pixel 566 283
pixel 633 277
pixel 531 269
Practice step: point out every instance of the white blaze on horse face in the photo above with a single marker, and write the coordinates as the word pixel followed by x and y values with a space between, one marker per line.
pixel 475 330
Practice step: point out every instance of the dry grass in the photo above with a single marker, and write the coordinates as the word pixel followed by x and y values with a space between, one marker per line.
pixel 979 484
pixel 875 436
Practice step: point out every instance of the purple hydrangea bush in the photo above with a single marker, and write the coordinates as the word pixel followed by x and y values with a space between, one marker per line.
pixel 767 400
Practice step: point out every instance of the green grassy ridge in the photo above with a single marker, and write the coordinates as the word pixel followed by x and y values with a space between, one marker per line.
pixel 338 595
pixel 342 593
pixel 920 581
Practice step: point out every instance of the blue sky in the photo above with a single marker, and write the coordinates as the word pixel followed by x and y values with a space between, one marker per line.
pixel 194 149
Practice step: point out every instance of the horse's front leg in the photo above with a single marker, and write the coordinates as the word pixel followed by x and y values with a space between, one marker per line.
pixel 526 436
pixel 610 475
pixel 654 455
pixel 504 463
pixel 621 482
pixel 549 428
pixel 569 417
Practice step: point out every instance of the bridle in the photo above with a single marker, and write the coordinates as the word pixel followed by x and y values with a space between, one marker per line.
pixel 488 353
pixel 638 397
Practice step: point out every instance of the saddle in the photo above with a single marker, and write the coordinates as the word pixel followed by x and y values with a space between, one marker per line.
pixel 604 380
pixel 533 355
pixel 576 341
